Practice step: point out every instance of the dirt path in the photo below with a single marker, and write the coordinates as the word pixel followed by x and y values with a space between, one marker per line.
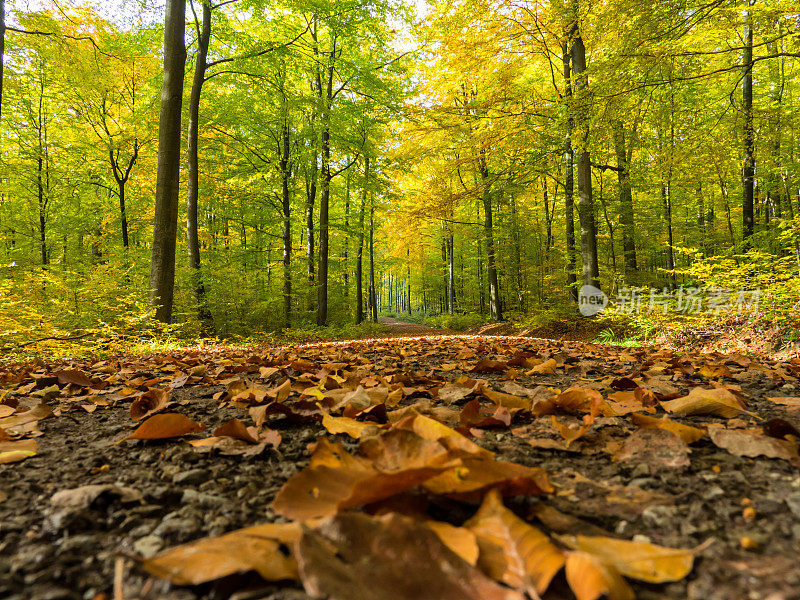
pixel 404 328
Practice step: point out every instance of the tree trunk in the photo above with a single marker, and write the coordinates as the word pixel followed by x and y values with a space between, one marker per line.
pixel 325 193
pixel 748 172
pixel 373 301
pixel 625 200
pixel 121 177
pixel 590 267
pixel 165 225
pixel 42 212
pixel 311 198
pixel 285 169
pixel 360 250
pixel 193 187
pixel 569 182
pixel 451 279
pixel 494 288
pixel 346 270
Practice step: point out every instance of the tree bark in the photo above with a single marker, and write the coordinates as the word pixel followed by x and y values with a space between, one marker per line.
pixel 749 169
pixel 373 300
pixel 2 50
pixel 590 267
pixel 324 195
pixel 165 225
pixel 569 181
pixel 494 289
pixel 286 204
pixel 121 177
pixel 625 200
pixel 360 250
pixel 193 187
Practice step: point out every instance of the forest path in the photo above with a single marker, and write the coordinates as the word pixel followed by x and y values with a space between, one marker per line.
pixel 404 328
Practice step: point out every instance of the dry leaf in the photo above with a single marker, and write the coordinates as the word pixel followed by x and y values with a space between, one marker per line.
pixel 150 402
pixel 686 433
pixel 262 548
pixel 237 430
pixel 718 401
pixel 355 429
pixel 589 578
pixel 637 560
pixel 356 557
pixel 460 540
pixel 511 550
pixel 475 476
pixel 17 451
pixel 164 426
pixel 752 443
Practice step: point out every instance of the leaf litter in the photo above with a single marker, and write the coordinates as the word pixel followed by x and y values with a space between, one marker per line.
pixel 436 468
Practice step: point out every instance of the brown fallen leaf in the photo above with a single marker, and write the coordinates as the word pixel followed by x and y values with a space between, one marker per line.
pixel 261 548
pixel 780 428
pixel 460 540
pixel 73 376
pixel 355 429
pixel 546 368
pixel 471 416
pixel 39 412
pixel 718 401
pixel 336 480
pixel 357 557
pixel 164 426
pixel 149 403
pixel 511 550
pixel 655 447
pixel 686 433
pixel 637 560
pixel 589 578
pixel 748 442
pixel 17 451
pixel 487 365
pixel 475 476
pixel 237 430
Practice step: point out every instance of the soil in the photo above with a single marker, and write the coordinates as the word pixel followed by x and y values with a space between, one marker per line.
pixel 51 551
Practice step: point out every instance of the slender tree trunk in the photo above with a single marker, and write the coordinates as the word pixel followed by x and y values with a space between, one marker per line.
pixel 165 225
pixel 494 288
pixel 748 172
pixel 325 192
pixel 42 212
pixel 121 177
pixel 286 203
pixel 373 301
pixel 408 281
pixel 360 250
pixel 625 201
pixel 346 270
pixel 311 198
pixel 569 182
pixel 193 187
pixel 451 279
pixel 590 266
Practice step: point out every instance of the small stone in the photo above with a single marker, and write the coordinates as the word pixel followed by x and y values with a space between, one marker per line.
pixel 659 515
pixel 148 546
pixel 640 470
pixel 794 504
pixel 641 538
pixel 191 477
pixel 621 528
pixel 712 492
pixel 201 499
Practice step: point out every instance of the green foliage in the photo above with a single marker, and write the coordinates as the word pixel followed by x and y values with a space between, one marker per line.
pixel 608 337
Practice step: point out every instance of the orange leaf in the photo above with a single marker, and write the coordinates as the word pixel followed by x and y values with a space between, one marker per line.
pixel 164 426
pixel 235 429
pixel 590 579
pixel 511 550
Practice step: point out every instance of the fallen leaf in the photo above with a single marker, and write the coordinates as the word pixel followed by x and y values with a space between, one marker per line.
pixel 637 560
pixel 460 540
pixel 39 412
pixel 718 401
pixel 780 428
pixel 686 433
pixel 17 451
pixel 752 443
pixel 164 426
pixel 511 550
pixel 83 496
pixel 546 368
pixel 475 476
pixel 261 548
pixel 351 427
pixel 589 578
pixel 486 365
pixel 73 376
pixel 237 430
pixel 149 403
pixel 654 447
pixel 356 557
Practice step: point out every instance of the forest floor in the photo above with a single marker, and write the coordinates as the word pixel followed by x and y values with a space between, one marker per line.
pixel 691 451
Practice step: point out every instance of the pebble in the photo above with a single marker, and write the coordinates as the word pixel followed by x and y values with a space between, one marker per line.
pixel 148 546
pixel 659 516
pixel 794 504
pixel 712 492
pixel 201 499
pixel 191 477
